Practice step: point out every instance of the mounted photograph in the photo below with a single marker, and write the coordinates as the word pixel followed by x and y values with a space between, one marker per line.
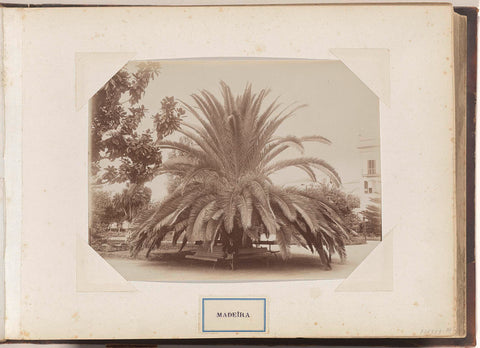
pixel 234 170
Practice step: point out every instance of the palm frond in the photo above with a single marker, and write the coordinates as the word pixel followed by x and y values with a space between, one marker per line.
pixel 306 162
pixel 224 192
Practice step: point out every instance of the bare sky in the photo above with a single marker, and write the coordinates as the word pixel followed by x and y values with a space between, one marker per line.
pixel 340 107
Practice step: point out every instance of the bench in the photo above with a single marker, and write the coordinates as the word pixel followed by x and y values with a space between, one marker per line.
pixel 269 243
pixel 205 254
pixel 217 255
pixel 119 243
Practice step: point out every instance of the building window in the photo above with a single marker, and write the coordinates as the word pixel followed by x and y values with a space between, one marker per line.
pixel 365 186
pixel 371 167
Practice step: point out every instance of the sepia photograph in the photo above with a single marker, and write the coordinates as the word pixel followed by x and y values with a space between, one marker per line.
pixel 234 170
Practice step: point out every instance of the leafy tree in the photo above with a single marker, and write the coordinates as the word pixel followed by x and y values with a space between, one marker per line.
pixel 169 119
pixel 342 202
pixel 104 212
pixel 133 156
pixel 102 207
pixel 373 218
pixel 225 193
pixel 114 127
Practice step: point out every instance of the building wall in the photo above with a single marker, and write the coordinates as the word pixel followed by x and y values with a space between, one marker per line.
pixel 370 175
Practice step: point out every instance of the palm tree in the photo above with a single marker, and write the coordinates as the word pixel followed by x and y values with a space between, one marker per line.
pixel 132 200
pixel 225 192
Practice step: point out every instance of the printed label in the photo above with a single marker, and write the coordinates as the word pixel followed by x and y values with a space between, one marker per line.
pixel 234 314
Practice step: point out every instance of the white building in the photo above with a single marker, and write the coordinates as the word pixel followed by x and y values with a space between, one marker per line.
pixel 370 183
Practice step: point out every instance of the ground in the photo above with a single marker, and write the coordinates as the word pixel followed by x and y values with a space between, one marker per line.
pixel 301 266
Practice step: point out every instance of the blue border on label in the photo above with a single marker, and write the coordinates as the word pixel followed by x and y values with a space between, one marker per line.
pixel 236 299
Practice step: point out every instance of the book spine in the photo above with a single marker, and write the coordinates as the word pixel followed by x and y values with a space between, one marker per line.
pixel 460 61
pixel 2 182
pixel 12 31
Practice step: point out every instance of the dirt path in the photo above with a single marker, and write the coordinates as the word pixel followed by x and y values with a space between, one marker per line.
pixel 301 266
